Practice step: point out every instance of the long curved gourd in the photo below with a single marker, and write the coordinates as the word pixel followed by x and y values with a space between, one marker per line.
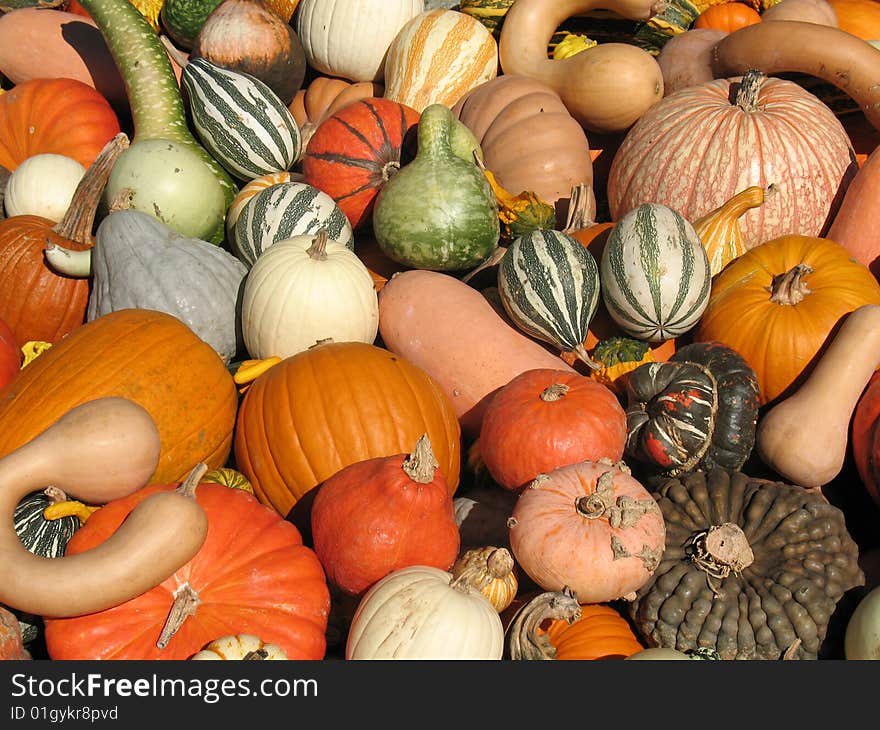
pixel 98 451
pixel 786 46
pixel 153 92
pixel 606 87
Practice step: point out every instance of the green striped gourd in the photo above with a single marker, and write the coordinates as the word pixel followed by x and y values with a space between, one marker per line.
pixel 654 273
pixel 549 286
pixel 240 120
pixel 283 211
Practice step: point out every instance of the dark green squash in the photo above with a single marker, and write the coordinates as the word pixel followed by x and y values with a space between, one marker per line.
pixel 752 569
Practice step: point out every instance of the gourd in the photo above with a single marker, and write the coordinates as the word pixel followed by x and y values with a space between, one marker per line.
pixel 303 290
pixel 43 185
pixel 350 40
pixel 820 410
pixel 323 97
pixel 492 570
pixel 223 587
pixel 239 647
pixel 685 59
pixel 452 223
pixel 99 451
pixel 772 558
pixel 589 526
pixel 248 191
pixel 449 330
pixel 654 272
pixel 543 419
pixel 181 19
pixel 379 515
pixel 421 612
pixel 851 227
pixel 809 11
pixel 864 440
pixel 862 635
pixel 149 174
pixel 605 88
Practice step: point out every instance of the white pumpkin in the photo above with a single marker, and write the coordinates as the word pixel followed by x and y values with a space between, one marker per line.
pixel 862 637
pixel 43 185
pixel 420 613
pixel 303 290
pixel 349 38
pixel 239 647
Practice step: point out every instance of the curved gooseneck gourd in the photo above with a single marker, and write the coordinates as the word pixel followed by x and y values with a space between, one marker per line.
pixel 606 87
pixel 99 451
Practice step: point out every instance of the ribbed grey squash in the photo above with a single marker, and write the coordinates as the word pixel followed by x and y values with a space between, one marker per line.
pixel 140 263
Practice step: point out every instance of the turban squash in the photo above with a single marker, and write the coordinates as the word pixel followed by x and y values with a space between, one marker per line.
pixel 752 568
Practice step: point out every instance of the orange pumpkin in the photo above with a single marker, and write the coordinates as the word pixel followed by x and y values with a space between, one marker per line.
pixel 778 303
pixel 59 116
pixel 600 633
pixel 728 17
pixel 10 354
pixel 252 575
pixel 325 96
pixel 861 18
pixel 865 438
pixel 320 410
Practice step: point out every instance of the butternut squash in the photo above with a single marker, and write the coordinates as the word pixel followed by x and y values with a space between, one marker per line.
pixel 685 59
pixel 98 451
pixel 787 46
pixel 453 333
pixel 606 87
pixel 804 437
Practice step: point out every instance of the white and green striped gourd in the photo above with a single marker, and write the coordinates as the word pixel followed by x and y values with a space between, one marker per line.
pixel 655 274
pixel 548 283
pixel 283 211
pixel 240 120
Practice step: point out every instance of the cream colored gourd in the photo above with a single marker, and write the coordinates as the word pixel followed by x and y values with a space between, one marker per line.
pixel 420 612
pixel 306 289
pixel 43 185
pixel 606 87
pixel 804 438
pixel 862 636
pixel 99 451
pixel 437 57
pixel 349 38
pixel 239 647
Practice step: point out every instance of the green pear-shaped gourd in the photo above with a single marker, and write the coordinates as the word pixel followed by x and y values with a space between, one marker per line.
pixel 438 212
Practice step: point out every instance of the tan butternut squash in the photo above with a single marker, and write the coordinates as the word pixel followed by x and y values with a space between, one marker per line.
pixel 804 437
pixel 606 87
pixel 453 333
pixel 99 451
pixel 685 59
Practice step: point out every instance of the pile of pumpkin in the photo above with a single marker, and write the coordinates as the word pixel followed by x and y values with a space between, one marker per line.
pixel 522 330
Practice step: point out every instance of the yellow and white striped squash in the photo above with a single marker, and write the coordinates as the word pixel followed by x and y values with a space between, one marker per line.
pixel 237 647
pixel 437 57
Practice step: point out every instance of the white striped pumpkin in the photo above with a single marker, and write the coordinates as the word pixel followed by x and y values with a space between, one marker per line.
pixel 240 120
pixel 549 286
pixel 349 38
pixel 437 57
pixel 303 290
pixel 283 211
pixel 654 273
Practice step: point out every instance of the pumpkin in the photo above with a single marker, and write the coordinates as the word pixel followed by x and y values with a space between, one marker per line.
pixel 589 526
pixel 54 116
pixel 42 185
pixel 727 17
pixel 421 612
pixel 283 450
pixel 149 357
pixel 863 437
pixel 10 353
pixel 252 575
pixel 418 76
pixel 544 419
pixel 350 40
pixel 379 515
pixel 777 304
pixel 862 637
pixel 492 570
pixel 861 18
pixel 529 139
pixel 11 644
pixel 36 302
pixel 714 139
pixel 751 568
pixel 323 97
pixel 811 11
pixel 239 647
pixel 303 290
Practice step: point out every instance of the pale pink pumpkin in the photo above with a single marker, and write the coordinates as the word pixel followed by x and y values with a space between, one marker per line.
pixel 590 526
pixel 699 146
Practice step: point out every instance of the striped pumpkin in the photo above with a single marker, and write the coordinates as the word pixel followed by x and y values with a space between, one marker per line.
pixel 354 152
pixel 654 273
pixel 437 57
pixel 284 211
pixel 549 285
pixel 240 120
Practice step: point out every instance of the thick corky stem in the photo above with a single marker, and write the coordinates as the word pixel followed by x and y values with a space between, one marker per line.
pixel 747 95
pixel 186 602
pixel 421 464
pixel 523 640
pixel 790 288
pixel 554 392
pixel 318 249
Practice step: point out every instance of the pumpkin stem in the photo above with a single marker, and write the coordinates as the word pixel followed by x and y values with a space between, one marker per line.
pixel 56 495
pixel 186 601
pixel 421 464
pixel 749 86
pixel 721 550
pixel 581 208
pixel 256 654
pixel 318 249
pixel 389 169
pixel 554 392
pixel 188 486
pixel 790 288
pixel 525 641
